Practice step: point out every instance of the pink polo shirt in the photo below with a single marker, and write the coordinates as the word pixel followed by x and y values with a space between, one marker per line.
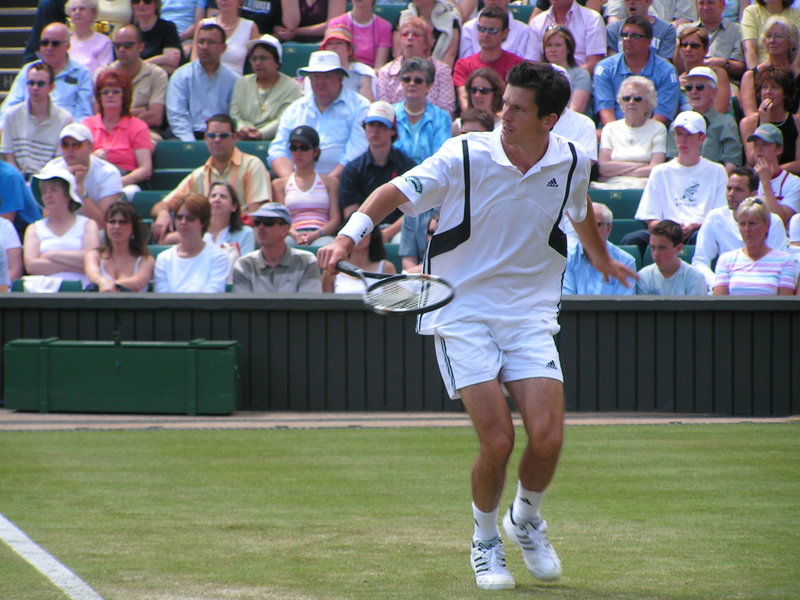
pixel 131 133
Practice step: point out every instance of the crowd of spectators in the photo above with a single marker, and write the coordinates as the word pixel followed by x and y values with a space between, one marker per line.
pixel 693 103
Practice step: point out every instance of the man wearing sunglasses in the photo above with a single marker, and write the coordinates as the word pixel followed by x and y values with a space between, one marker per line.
pixel 73 82
pixel 31 128
pixel 245 172
pixel 492 32
pixel 519 39
pixel 636 58
pixel 723 143
pixel 276 267
pixel 663 40
pixel 149 80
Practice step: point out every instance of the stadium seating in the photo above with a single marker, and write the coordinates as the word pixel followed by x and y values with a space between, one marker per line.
pixel 623 227
pixel 521 12
pixel 623 203
pixel 295 56
pixel 390 12
pixel 68 285
pixel 633 250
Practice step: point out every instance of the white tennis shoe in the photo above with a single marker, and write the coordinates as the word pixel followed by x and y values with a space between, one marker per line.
pixel 489 563
pixel 538 553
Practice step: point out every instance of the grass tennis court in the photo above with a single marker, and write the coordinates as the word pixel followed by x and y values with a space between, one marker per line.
pixel 636 512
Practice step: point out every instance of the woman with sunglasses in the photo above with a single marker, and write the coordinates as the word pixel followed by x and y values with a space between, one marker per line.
pixel 421 127
pixel 238 32
pixel 122 263
pixel 558 48
pixel 692 47
pixel 755 269
pixel 484 92
pixel 86 46
pixel 56 245
pixel 416 40
pixel 193 266
pixel 119 138
pixel 162 44
pixel 781 40
pixel 630 147
pixel 310 196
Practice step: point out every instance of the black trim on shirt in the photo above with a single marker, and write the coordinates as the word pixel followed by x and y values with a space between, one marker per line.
pixel 558 239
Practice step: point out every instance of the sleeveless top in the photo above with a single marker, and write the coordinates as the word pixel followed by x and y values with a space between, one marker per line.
pixel 236 51
pixel 313 14
pixel 309 209
pixel 105 274
pixel 72 239
pixel 347 284
pixel 789 130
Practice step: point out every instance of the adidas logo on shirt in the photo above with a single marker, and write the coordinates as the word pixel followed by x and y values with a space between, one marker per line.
pixel 552 363
pixel 552 183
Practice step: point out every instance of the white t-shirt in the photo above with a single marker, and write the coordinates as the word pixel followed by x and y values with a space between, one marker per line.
pixel 9 240
pixel 720 233
pixel 794 229
pixel 634 143
pixel 683 194
pixel 686 281
pixel 786 188
pixel 504 252
pixel 205 273
pixel 103 178
pixel 580 129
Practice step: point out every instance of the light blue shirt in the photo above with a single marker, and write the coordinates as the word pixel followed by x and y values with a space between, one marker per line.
pixel 612 71
pixel 582 278
pixel 686 281
pixel 340 128
pixel 181 12
pixel 193 97
pixel 72 92
pixel 426 136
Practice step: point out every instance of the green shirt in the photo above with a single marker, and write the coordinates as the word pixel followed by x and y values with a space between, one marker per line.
pixel 253 107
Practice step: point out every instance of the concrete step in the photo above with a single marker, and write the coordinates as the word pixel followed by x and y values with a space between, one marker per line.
pixel 13 36
pixel 11 58
pixel 19 16
pixel 7 78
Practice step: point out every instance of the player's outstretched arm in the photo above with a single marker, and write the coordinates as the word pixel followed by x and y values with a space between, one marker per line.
pixel 596 250
pixel 378 205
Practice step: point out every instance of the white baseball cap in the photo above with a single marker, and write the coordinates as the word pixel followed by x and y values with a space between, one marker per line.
pixel 691 121
pixel 706 72
pixel 323 61
pixel 266 40
pixel 53 170
pixel 78 132
pixel 381 112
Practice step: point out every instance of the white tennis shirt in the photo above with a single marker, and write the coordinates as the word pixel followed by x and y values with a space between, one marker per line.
pixel 505 254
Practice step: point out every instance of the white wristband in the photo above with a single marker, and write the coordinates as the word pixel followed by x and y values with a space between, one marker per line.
pixel 357 227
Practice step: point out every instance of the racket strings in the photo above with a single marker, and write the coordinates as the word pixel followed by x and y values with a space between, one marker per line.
pixel 408 294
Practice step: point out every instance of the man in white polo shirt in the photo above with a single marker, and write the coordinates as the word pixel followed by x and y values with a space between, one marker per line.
pixel 501 195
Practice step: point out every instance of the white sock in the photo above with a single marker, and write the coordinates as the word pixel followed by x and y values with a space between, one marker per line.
pixel 485 524
pixel 526 506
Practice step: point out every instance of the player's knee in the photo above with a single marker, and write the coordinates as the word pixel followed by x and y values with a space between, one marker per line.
pixel 499 444
pixel 548 442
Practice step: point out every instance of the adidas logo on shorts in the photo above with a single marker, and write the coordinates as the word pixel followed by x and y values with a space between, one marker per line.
pixel 552 365
pixel 552 183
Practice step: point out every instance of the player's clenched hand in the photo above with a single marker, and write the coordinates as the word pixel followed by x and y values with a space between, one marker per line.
pixel 338 249
pixel 613 268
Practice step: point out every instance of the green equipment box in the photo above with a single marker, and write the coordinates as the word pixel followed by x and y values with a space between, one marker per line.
pixel 196 377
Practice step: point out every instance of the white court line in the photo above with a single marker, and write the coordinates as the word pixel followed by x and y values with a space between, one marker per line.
pixel 44 562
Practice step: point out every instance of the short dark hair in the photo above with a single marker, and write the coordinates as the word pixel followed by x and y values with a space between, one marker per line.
pixel 781 77
pixel 40 65
pixel 376 251
pixel 269 48
pixel 495 12
pixel 478 115
pixel 642 23
pixel 214 27
pixel 197 205
pixel 748 173
pixel 222 118
pixel 670 230
pixel 551 88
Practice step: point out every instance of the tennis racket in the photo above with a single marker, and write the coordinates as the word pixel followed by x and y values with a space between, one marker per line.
pixel 411 293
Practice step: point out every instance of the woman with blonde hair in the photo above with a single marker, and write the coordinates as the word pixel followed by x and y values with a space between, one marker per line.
pixel 755 269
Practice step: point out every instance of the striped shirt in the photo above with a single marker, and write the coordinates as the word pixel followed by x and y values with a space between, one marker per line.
pixel 32 142
pixel 762 277
pixel 310 208
pixel 245 172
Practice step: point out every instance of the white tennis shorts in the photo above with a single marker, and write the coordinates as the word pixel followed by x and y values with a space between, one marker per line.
pixel 471 352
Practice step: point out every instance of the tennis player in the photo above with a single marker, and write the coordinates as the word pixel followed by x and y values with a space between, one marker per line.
pixel 502 196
